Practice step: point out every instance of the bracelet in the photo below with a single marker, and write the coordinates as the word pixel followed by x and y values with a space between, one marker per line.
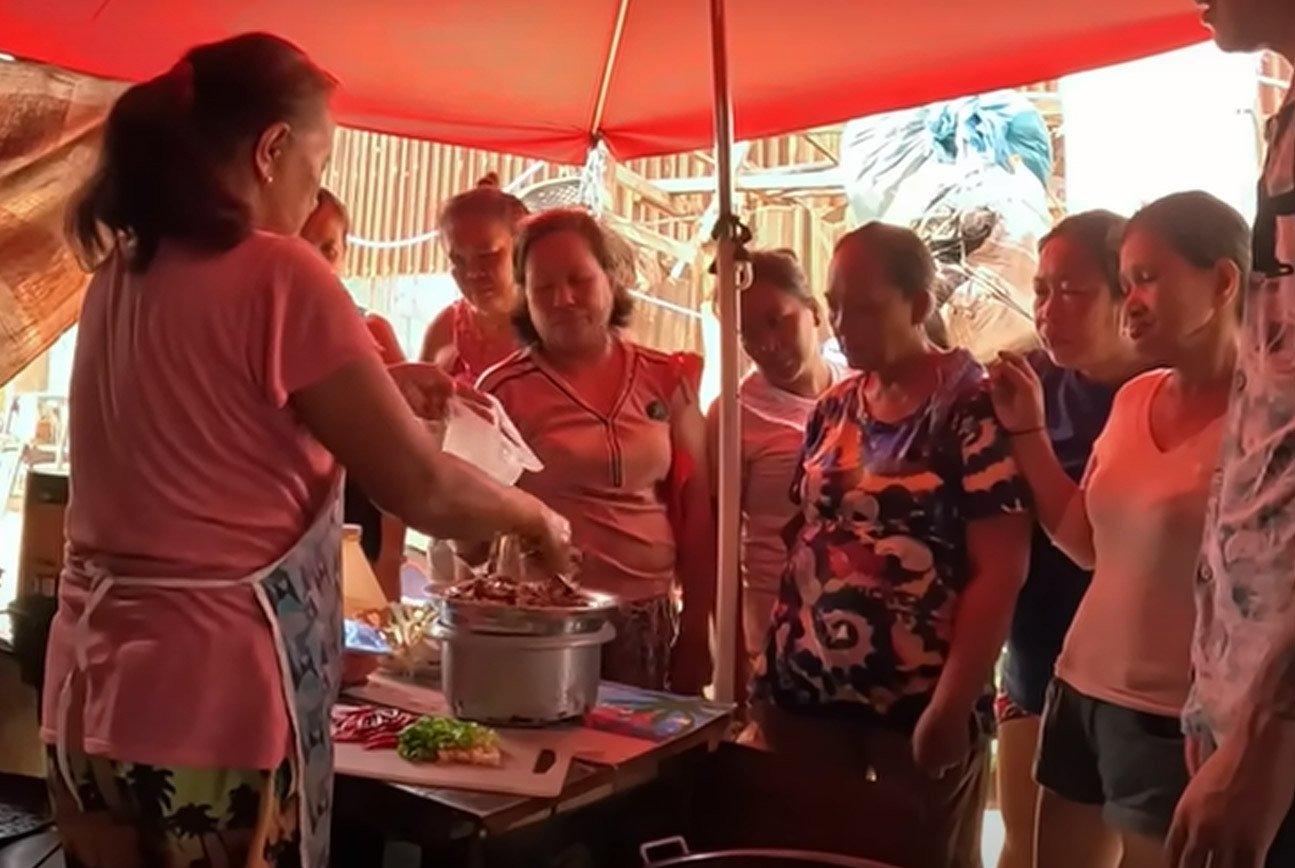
pixel 1024 431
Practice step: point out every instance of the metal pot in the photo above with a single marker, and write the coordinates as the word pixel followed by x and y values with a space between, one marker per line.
pixel 750 858
pixel 497 619
pixel 520 680
pixel 767 859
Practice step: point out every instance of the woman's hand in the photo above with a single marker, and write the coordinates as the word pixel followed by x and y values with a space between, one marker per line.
pixel 941 740
pixel 547 537
pixel 1235 803
pixel 428 390
pixel 1017 394
pixel 691 666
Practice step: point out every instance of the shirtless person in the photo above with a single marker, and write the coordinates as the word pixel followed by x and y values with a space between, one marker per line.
pixel 1237 811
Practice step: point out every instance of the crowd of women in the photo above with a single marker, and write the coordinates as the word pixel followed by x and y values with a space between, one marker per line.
pixel 902 518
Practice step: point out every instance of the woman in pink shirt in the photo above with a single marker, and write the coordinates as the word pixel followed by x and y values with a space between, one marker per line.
pixel 623 442
pixel 221 374
pixel 477 228
pixel 1110 758
pixel 781 321
pixel 327 228
pixel 381 536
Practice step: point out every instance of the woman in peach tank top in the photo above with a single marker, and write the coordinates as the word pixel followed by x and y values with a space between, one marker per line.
pixel 474 333
pixel 623 443
pixel 1110 759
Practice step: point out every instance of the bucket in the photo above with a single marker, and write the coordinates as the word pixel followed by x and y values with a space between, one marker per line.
pixel 40 557
pixel 674 853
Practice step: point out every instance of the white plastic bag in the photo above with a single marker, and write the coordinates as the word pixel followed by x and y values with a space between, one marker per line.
pixel 494 447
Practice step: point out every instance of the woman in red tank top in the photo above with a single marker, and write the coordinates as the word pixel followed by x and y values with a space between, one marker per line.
pixel 476 332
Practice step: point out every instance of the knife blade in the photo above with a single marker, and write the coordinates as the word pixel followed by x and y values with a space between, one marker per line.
pixel 545 761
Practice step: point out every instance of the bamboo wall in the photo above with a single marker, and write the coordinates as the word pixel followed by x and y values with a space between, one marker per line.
pixel 394 188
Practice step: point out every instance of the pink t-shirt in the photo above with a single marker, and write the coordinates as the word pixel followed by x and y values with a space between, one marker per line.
pixel 187 461
pixel 1130 642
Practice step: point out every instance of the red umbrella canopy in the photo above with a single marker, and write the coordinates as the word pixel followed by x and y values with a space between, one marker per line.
pixel 544 78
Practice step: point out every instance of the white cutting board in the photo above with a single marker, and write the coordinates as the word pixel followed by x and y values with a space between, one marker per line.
pixel 570 740
pixel 516 776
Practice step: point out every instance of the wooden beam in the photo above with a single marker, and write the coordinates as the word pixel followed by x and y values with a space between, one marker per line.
pixel 706 224
pixel 645 189
pixel 821 148
pixel 636 234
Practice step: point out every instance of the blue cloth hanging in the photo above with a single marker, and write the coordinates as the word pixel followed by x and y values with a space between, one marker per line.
pixel 999 125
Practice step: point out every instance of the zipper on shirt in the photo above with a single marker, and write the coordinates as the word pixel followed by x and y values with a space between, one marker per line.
pixel 615 461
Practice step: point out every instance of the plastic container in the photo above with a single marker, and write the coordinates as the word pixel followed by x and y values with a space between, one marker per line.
pixel 360 589
pixel 492 446
pixel 40 558
pixel 520 680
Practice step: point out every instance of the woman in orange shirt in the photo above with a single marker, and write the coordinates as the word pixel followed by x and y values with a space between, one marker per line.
pixel 623 441
pixel 381 536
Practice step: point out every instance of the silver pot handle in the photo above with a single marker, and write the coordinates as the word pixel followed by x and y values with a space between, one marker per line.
pixel 675 847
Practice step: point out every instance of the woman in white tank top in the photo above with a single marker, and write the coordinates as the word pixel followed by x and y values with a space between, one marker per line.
pixel 780 327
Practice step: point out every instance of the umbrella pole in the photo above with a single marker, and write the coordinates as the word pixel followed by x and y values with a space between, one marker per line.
pixel 729 455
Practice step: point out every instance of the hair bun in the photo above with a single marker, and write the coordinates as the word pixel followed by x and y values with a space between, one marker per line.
pixel 490 179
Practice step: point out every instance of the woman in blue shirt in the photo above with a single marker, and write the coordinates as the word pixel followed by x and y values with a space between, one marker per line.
pixel 1077 310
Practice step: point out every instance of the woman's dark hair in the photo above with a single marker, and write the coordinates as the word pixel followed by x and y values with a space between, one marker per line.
pixel 1099 234
pixel 326 201
pixel 167 141
pixel 904 257
pixel 613 254
pixel 485 200
pixel 1200 228
pixel 781 269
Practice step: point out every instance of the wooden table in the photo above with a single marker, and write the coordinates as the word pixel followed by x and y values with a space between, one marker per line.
pixel 454 827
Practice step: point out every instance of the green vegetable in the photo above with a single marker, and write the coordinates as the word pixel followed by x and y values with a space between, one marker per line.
pixel 423 740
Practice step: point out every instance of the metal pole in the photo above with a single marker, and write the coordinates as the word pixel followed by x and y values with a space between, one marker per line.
pixel 729 457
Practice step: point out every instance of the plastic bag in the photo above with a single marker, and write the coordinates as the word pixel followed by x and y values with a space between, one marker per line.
pixel 1000 127
pixel 990 306
pixel 897 164
pixel 493 446
pixel 969 177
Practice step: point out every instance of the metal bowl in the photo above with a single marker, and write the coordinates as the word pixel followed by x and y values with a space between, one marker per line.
pixel 520 680
pixel 766 859
pixel 503 620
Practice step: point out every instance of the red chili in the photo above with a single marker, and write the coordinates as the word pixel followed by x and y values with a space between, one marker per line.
pixel 367 724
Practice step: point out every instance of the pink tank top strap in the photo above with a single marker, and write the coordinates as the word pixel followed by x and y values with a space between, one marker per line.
pixel 475 351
